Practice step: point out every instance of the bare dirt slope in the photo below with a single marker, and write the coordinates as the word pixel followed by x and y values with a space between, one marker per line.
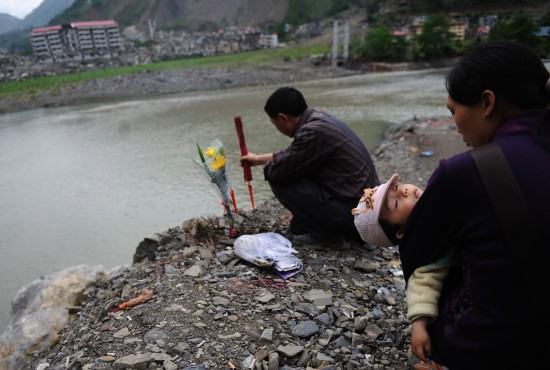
pixel 227 12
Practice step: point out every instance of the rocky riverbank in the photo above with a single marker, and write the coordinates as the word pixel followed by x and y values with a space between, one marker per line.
pixel 204 308
pixel 155 83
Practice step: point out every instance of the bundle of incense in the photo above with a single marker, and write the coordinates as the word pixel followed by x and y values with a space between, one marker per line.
pixel 244 151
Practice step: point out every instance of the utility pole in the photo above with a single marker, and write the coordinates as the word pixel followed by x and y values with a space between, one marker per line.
pixel 335 38
pixel 334 43
pixel 346 40
pixel 152 28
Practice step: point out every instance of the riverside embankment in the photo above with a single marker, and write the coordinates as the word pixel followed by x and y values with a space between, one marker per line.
pixel 211 310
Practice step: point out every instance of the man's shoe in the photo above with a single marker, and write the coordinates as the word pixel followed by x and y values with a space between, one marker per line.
pixel 335 243
pixel 294 228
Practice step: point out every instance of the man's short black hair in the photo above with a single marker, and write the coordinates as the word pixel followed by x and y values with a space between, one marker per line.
pixel 286 100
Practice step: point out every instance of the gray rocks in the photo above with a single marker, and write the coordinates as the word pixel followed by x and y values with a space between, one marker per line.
pixel 141 361
pixel 147 248
pixel 154 335
pixel 39 311
pixel 319 297
pixel 236 313
pixel 305 329
pixel 290 350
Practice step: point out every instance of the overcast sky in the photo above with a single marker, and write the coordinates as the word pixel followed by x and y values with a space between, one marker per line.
pixel 18 8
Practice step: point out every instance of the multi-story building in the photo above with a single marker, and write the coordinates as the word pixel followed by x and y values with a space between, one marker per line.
pixel 77 41
pixel 269 41
pixel 457 26
pixel 47 43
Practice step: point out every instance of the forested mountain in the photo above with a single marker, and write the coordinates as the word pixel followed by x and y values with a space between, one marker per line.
pixel 44 13
pixel 185 13
pixel 7 22
pixel 40 16
pixel 215 14
pixel 204 14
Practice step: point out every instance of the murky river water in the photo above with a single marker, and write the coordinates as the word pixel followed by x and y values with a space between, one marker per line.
pixel 86 184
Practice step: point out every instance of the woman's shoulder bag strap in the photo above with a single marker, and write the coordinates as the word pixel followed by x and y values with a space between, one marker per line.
pixel 513 215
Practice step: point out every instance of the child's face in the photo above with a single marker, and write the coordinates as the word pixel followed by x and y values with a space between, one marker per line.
pixel 399 202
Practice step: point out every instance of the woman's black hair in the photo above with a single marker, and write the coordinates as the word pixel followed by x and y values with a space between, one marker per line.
pixel 390 230
pixel 513 71
pixel 286 100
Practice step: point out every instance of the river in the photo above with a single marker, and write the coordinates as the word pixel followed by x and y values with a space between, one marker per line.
pixel 85 184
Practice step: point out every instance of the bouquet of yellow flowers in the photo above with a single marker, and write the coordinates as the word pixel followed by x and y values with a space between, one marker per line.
pixel 214 166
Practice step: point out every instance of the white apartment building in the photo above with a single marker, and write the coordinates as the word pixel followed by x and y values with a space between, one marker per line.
pixel 77 41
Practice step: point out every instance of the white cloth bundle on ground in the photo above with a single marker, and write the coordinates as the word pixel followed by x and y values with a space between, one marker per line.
pixel 268 249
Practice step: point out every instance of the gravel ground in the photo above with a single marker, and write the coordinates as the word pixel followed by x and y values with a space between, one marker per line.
pixel 205 308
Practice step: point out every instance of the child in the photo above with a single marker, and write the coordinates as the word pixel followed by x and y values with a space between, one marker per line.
pixel 381 218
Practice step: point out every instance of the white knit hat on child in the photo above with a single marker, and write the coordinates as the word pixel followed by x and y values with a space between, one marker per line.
pixel 367 213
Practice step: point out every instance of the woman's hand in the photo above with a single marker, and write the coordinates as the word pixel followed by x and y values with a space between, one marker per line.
pixel 421 345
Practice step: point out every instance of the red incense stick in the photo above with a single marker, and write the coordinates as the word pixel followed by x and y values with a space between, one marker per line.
pixel 244 151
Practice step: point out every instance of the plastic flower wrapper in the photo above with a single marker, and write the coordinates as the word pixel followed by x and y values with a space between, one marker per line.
pixel 214 165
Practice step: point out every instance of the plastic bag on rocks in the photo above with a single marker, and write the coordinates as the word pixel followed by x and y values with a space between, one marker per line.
pixel 269 250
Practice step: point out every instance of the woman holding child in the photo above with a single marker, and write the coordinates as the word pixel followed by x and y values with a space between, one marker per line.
pixel 486 316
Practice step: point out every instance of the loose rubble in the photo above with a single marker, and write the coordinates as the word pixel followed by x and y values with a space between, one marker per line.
pixel 211 310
